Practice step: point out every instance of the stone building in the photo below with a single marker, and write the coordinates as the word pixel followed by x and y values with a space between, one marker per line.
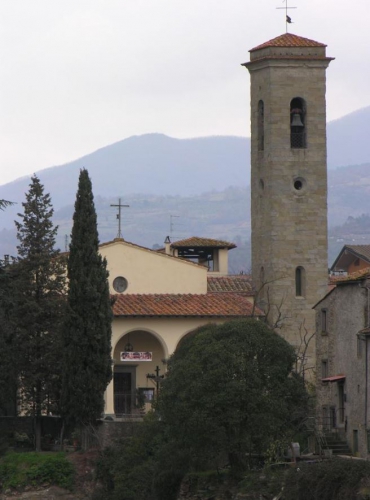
pixel 289 182
pixel 343 361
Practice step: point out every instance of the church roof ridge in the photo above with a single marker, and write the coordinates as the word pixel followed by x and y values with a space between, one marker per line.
pixel 288 40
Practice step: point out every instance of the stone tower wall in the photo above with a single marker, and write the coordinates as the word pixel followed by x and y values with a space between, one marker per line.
pixel 289 226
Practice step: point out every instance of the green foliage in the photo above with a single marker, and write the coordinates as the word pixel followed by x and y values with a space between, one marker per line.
pixel 37 286
pixel 338 478
pixel 5 203
pixel 144 466
pixel 87 326
pixel 8 345
pixel 127 469
pixel 229 392
pixel 20 469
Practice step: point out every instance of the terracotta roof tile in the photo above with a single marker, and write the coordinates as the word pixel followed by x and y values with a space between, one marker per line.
pixel 360 250
pixel 289 40
pixel 184 305
pixel 240 283
pixel 194 241
pixel 355 276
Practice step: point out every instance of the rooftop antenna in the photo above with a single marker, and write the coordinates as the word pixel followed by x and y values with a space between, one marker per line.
pixel 288 19
pixel 119 234
pixel 66 242
pixel 172 223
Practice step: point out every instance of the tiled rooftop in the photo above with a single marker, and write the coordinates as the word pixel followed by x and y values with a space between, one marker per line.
pixel 184 305
pixel 289 40
pixel 194 241
pixel 360 250
pixel 240 283
pixel 357 275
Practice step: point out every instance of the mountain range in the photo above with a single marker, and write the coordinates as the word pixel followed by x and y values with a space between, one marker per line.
pixel 184 186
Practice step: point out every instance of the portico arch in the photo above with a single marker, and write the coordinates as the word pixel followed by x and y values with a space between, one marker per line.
pixel 131 367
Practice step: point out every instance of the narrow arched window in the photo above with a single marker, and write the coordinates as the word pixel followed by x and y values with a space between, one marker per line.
pixel 299 282
pixel 297 123
pixel 261 126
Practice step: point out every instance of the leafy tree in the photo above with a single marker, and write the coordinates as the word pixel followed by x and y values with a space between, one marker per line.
pixel 229 392
pixel 87 327
pixel 38 285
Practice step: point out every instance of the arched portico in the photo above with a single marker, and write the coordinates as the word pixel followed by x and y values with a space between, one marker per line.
pixel 136 354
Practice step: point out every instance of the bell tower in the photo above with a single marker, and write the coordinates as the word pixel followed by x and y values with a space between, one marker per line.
pixel 289 183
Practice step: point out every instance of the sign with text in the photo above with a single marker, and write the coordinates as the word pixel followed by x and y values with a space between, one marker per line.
pixel 136 356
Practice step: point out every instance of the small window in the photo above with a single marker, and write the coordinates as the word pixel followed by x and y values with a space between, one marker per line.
pixel 261 126
pixel 324 319
pixel 359 346
pixel 297 123
pixel 120 284
pixel 324 368
pixel 299 281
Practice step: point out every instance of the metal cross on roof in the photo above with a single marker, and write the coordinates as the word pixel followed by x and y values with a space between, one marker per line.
pixel 119 235
pixel 288 19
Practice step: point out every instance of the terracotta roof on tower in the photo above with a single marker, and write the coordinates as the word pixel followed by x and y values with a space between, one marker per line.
pixel 194 241
pixel 240 283
pixel 225 305
pixel 289 40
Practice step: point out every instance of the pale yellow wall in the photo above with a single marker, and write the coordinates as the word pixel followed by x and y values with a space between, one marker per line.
pixel 221 262
pixel 151 272
pixel 157 335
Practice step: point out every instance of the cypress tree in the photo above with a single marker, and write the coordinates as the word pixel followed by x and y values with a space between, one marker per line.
pixel 87 329
pixel 38 286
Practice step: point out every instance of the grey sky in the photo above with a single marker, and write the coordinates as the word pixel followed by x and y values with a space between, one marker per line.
pixel 77 75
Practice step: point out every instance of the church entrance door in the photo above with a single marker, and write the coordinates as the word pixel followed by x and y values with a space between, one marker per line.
pixel 122 393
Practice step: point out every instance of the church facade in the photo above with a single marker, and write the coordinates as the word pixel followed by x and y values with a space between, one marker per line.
pixel 159 298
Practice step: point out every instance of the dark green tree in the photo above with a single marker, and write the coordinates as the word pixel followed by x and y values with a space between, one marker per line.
pixel 87 328
pixel 38 286
pixel 8 344
pixel 229 392
pixel 5 203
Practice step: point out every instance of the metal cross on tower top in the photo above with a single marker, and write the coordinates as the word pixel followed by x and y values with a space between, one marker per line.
pixel 288 19
pixel 119 234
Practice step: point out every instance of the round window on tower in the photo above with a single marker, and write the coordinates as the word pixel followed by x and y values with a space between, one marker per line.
pixel 120 284
pixel 299 183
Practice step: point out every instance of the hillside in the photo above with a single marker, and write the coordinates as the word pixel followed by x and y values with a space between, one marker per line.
pixel 188 179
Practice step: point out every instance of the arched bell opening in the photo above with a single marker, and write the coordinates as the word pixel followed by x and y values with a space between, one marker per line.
pixel 139 365
pixel 297 123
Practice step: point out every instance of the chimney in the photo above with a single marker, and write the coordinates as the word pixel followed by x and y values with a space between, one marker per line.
pixel 167 245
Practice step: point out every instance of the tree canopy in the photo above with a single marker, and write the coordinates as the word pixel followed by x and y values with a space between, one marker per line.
pixel 38 285
pixel 229 391
pixel 87 327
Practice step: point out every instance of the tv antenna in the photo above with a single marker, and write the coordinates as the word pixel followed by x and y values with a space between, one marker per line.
pixel 288 19
pixel 172 223
pixel 119 205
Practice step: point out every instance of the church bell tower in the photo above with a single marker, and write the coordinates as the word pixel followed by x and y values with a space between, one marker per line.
pixel 289 183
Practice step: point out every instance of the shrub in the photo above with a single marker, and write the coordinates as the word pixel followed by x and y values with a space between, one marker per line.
pixel 337 478
pixel 20 469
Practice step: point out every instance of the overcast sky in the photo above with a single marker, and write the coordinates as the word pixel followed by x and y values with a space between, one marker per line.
pixel 77 75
